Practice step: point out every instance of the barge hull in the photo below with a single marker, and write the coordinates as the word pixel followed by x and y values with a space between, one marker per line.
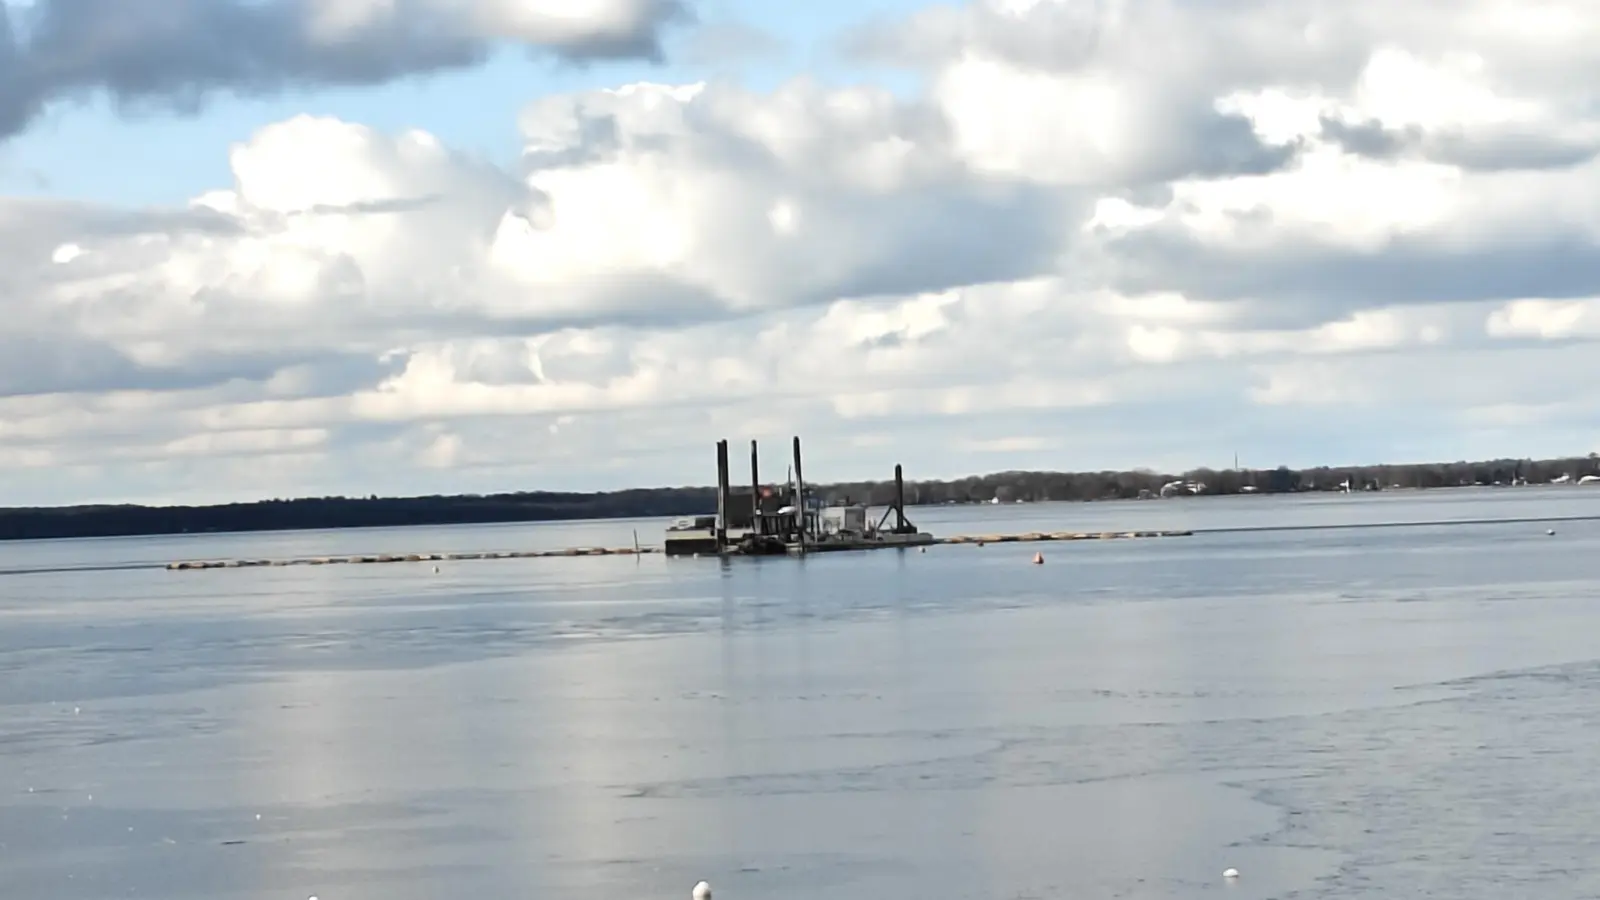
pixel 695 546
pixel 880 542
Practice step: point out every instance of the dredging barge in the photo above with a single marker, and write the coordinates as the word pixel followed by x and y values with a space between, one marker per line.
pixel 788 519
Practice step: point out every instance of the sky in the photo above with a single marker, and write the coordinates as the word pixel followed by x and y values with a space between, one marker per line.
pixel 275 248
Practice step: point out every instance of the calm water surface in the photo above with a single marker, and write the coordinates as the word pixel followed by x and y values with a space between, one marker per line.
pixel 1337 712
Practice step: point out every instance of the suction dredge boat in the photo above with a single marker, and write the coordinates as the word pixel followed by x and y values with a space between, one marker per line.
pixel 788 519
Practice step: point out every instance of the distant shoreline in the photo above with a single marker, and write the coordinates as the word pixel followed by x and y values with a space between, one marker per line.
pixel 307 514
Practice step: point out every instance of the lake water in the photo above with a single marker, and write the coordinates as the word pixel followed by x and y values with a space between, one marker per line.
pixel 1336 711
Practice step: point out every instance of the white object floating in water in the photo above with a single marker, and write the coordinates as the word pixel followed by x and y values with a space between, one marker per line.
pixel 1230 873
pixel 1549 531
pixel 702 891
pixel 435 570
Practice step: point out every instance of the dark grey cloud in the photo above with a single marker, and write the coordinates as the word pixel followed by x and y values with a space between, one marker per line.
pixel 62 362
pixel 175 54
pixel 376 207
pixel 1370 139
pixel 1493 150
pixel 1511 150
pixel 1209 144
pixel 42 364
pixel 954 237
pixel 1312 284
pixel 58 361
pixel 15 105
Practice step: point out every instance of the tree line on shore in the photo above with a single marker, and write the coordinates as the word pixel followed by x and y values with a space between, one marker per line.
pixel 1036 487
pixel 22 523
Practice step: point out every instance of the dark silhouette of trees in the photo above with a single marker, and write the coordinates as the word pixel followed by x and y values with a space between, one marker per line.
pixel 1006 487
pixel 1042 486
pixel 350 512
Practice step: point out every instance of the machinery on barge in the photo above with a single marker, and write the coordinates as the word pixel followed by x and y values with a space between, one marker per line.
pixel 788 519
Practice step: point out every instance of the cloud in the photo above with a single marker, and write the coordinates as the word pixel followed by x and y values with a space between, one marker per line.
pixel 1485 83
pixel 177 53
pixel 1102 235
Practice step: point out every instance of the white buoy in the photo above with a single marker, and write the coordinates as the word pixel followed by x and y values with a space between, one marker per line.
pixel 1549 531
pixel 435 570
pixel 1230 873
pixel 702 891
pixel 1038 559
